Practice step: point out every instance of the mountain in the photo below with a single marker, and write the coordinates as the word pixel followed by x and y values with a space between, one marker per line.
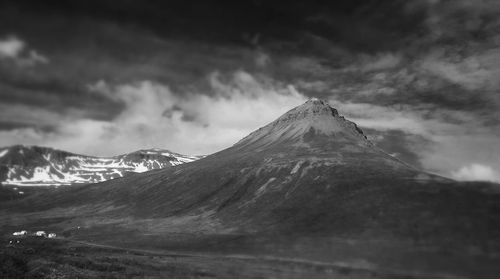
pixel 309 170
pixel 308 186
pixel 43 166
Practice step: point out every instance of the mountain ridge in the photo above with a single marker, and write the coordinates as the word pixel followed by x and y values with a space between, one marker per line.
pixel 44 166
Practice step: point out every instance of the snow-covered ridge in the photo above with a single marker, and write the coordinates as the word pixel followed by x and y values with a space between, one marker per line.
pixel 40 166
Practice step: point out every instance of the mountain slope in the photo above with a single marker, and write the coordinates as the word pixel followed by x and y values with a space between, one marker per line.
pixel 39 166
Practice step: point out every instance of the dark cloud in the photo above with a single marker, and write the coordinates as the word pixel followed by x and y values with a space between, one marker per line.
pixel 356 23
pixel 12 126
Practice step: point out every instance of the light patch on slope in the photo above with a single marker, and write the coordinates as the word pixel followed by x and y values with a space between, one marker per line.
pixel 43 174
pixel 297 167
pixel 262 188
pixel 141 168
pixel 3 152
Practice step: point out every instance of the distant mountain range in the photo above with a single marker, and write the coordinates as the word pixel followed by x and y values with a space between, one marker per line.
pixel 42 166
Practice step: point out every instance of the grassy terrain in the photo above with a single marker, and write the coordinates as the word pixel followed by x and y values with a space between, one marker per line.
pixel 259 256
pixel 11 192
pixel 52 258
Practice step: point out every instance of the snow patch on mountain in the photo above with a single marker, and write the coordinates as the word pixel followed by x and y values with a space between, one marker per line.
pixel 297 167
pixel 3 152
pixel 39 166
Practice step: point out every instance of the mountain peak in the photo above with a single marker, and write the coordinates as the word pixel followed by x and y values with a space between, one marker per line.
pixel 316 101
pixel 312 108
pixel 314 117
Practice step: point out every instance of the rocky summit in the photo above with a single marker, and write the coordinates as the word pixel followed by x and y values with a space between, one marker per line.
pixel 313 118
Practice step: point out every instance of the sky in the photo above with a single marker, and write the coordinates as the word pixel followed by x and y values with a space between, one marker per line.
pixel 420 77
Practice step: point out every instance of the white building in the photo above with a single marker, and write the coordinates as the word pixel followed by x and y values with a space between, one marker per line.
pixel 20 233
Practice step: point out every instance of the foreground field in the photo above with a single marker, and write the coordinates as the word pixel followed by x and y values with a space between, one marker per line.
pixel 42 258
pixel 34 257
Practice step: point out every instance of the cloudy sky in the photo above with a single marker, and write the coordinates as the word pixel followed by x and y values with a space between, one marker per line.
pixel 421 77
